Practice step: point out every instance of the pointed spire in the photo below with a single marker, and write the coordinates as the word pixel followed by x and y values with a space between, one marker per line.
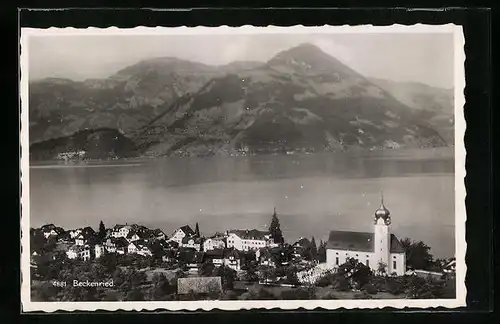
pixel 274 211
pixel 382 197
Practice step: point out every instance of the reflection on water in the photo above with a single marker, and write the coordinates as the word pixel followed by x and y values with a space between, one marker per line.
pixel 313 193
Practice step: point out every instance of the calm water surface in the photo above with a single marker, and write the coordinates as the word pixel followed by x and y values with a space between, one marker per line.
pixel 313 194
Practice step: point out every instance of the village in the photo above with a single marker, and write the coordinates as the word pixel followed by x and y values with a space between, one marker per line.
pixel 249 263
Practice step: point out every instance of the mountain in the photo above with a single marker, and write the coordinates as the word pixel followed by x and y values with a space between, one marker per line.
pixel 124 101
pixel 436 105
pixel 302 99
pixel 102 143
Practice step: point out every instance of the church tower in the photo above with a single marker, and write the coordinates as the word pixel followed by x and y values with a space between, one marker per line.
pixel 382 235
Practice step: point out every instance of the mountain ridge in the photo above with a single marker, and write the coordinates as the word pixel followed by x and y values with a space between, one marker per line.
pixel 301 96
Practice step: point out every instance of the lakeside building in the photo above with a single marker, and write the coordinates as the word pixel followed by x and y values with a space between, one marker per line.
pixel 246 240
pixel 371 249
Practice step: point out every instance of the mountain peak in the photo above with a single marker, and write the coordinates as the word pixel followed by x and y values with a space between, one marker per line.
pixel 311 57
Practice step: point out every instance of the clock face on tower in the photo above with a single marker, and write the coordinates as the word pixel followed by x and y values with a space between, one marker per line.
pixel 388 221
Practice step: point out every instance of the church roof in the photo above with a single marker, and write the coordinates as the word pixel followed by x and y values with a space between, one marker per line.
pixel 358 241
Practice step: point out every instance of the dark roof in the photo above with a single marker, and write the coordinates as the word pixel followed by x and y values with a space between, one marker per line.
pixel 231 252
pixel 119 241
pixel 187 230
pixel 158 232
pixel 197 240
pixel 358 241
pixel 303 242
pixel 199 285
pixel 214 254
pixel 250 234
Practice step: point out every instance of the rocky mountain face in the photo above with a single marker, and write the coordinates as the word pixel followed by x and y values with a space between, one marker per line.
pixel 300 100
pixel 436 105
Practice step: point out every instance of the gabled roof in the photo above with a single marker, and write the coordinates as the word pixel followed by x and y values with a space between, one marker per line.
pixel 158 232
pixel 187 230
pixel 231 253
pixel 214 254
pixel 302 242
pixel 250 234
pixel 358 241
pixel 119 241
pixel 186 239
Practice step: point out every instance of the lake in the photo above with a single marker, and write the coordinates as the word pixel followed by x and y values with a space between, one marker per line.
pixel 313 194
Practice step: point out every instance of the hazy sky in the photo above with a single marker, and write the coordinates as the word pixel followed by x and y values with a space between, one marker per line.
pixel 426 58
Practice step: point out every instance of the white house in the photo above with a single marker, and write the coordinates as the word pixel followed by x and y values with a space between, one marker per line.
pixel 214 242
pixel 74 233
pixel 372 249
pixel 80 240
pixel 78 252
pixel 245 240
pixel 192 242
pixel 98 250
pixel 182 232
pixel 140 248
pixel 232 259
pixel 121 230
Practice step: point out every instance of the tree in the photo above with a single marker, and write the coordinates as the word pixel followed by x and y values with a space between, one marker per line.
pixel 382 268
pixel 314 249
pixel 102 231
pixel 197 230
pixel 206 269
pixel 161 287
pixel 228 276
pixel 274 229
pixel 417 254
pixel 322 252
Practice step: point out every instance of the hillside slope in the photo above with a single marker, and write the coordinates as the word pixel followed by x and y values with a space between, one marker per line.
pixel 301 100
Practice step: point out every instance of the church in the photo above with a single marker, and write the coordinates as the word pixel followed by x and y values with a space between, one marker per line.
pixel 371 249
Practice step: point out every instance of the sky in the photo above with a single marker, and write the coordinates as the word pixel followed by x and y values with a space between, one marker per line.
pixel 425 58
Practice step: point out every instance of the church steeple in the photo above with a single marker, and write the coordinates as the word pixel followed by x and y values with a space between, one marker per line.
pixel 382 212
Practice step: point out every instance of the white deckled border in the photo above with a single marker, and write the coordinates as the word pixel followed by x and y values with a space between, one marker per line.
pixel 460 192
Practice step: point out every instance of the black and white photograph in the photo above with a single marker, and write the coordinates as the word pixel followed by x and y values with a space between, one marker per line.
pixel 242 167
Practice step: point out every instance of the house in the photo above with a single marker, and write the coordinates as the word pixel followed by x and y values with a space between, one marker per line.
pixel 168 256
pixel 80 239
pixel 79 252
pixel 450 267
pixel 74 233
pixel 158 234
pixel 373 249
pixel 245 240
pixel 192 242
pixel 215 256
pixel 182 232
pixel 64 238
pixel 121 230
pixel 99 250
pixel 190 257
pixel 133 236
pixel 199 285
pixel 139 247
pixel 300 247
pixel 51 230
pixel 232 259
pixel 264 257
pixel 116 245
pixel 217 241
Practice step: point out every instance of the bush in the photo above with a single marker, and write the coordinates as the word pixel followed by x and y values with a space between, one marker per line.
pixel 297 294
pixel 330 296
pixel 342 284
pixel 323 282
pixel 369 288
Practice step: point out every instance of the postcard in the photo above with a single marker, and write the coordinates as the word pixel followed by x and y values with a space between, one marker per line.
pixel 243 167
